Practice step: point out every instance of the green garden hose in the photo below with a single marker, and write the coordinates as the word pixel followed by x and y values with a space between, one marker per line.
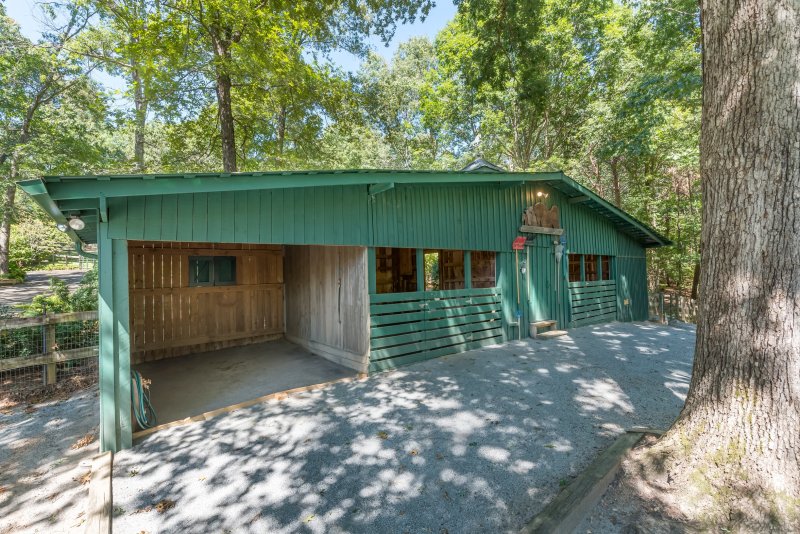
pixel 140 400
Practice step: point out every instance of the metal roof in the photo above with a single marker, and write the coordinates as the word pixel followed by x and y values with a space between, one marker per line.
pixel 85 196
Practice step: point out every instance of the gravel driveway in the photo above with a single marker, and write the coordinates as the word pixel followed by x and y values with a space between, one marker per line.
pixel 476 442
pixel 42 447
pixel 36 283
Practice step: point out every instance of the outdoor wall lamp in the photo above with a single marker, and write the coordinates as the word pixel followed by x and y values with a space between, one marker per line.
pixel 76 223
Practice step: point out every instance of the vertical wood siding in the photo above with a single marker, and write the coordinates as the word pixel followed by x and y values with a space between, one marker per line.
pixel 327 305
pixel 438 216
pixel 169 318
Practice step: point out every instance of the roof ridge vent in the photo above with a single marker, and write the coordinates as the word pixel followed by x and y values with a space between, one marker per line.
pixel 481 165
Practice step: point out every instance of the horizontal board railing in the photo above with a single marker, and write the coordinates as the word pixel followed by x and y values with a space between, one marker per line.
pixel 592 302
pixel 410 327
pixel 39 351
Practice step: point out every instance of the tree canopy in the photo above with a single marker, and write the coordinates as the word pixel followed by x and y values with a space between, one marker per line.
pixel 606 90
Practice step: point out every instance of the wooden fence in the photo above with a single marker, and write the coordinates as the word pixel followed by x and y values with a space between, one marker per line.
pixel 409 327
pixel 668 305
pixel 39 351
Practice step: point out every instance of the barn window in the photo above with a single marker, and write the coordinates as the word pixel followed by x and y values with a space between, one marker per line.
pixel 432 271
pixel 484 269
pixel 212 271
pixel 606 262
pixel 574 267
pixel 395 270
pixel 451 269
pixel 590 267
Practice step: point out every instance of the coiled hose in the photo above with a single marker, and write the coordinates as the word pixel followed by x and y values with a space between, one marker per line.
pixel 140 400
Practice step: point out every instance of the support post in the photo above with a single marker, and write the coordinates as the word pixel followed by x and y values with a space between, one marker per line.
pixel 420 269
pixel 115 384
pixel 50 368
pixel 372 265
pixel 468 269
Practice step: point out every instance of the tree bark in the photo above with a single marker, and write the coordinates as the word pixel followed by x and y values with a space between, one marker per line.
pixel 741 422
pixel 221 41
pixel 140 111
pixel 614 165
pixel 7 215
pixel 225 115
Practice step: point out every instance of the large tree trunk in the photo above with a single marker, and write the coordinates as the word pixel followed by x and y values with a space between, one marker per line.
pixel 140 110
pixel 740 427
pixel 225 115
pixel 7 215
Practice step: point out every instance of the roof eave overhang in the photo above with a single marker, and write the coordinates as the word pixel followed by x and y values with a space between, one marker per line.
pixel 37 190
pixel 60 194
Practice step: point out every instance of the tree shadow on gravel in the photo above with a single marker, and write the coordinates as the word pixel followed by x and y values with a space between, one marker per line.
pixel 475 442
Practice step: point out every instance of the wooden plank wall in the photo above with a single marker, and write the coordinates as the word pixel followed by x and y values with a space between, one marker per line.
pixel 411 327
pixel 327 302
pixel 593 302
pixel 169 318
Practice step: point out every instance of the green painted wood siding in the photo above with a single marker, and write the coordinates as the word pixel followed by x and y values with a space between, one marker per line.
pixel 482 216
pixel 631 278
pixel 474 217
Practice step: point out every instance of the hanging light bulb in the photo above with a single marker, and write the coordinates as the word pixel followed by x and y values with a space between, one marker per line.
pixel 76 223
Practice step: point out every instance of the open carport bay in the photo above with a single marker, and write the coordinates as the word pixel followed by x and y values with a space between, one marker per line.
pixel 473 442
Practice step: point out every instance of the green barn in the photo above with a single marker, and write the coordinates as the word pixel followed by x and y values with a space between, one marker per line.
pixel 361 270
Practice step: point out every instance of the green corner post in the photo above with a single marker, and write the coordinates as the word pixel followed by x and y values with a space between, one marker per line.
pixel 115 353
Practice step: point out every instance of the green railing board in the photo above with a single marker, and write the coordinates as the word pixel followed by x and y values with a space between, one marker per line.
pixel 427 295
pixel 606 301
pixel 599 307
pixel 403 328
pixel 432 344
pixel 580 300
pixel 595 319
pixel 381 320
pixel 415 305
pixel 431 334
pixel 594 283
pixel 394 363
pixel 412 326
pixel 593 302
pixel 593 291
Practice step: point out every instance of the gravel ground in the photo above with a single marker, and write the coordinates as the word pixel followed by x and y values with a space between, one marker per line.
pixel 36 283
pixel 40 473
pixel 477 442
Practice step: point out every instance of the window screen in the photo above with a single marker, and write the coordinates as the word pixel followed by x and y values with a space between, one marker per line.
pixel 606 267
pixel 574 267
pixel 590 267
pixel 224 270
pixel 483 269
pixel 212 270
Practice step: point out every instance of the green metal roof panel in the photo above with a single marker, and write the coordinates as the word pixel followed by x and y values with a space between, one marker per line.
pixel 62 196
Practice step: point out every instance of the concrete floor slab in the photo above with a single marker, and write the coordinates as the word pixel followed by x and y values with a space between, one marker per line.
pixel 190 385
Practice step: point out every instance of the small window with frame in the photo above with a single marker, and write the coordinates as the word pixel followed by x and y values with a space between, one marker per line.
pixel 212 271
pixel 606 262
pixel 574 267
pixel 590 267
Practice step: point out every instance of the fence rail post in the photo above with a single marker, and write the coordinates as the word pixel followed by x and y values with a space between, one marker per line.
pixel 51 346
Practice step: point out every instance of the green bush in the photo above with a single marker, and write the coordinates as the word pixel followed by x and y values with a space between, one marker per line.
pixel 15 272
pixel 84 298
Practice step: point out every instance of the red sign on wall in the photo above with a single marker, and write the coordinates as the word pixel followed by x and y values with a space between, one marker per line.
pixel 519 243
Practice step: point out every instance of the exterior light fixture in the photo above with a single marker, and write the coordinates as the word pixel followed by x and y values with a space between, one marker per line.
pixel 61 227
pixel 76 223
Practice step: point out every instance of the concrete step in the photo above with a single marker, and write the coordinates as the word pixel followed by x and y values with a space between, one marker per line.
pixel 551 333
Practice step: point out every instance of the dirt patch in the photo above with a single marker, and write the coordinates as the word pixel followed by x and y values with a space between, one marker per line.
pixel 62 390
pixel 84 441
pixel 633 505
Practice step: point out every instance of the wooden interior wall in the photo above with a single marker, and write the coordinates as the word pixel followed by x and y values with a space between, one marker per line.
pixel 327 302
pixel 169 318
